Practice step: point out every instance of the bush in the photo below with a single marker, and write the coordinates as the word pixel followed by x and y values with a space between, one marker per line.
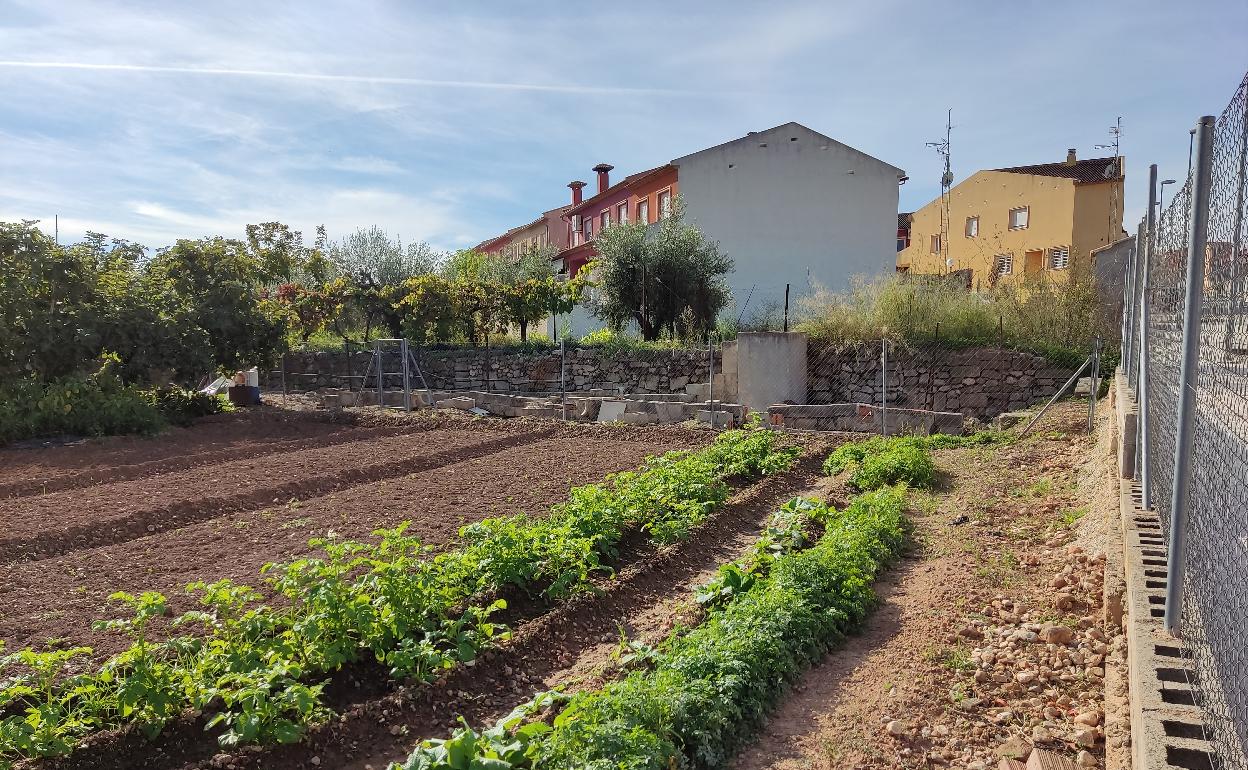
pixel 182 407
pixel 880 461
pixel 98 404
pixel 1057 320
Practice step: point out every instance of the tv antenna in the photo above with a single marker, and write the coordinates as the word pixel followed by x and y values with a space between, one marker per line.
pixel 1113 172
pixel 946 182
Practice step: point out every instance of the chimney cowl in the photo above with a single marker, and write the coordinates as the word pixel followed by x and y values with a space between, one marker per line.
pixel 604 175
pixel 576 191
pixel 1070 157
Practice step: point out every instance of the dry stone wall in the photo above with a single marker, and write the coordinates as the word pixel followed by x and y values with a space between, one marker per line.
pixel 978 382
pixel 644 371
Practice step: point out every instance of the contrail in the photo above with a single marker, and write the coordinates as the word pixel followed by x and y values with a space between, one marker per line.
pixel 370 79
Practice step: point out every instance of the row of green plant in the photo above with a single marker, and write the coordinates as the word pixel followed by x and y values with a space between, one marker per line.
pixel 96 404
pixel 883 460
pixel 693 701
pixel 256 671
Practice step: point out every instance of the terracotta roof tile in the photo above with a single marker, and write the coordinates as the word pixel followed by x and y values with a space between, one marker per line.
pixel 1083 171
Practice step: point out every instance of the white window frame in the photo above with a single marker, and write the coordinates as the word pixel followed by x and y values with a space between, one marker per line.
pixel 936 244
pixel 971 229
pixel 1059 258
pixel 604 220
pixel 643 210
pixel 1025 212
pixel 587 228
pixel 1004 264
pixel 621 213
pixel 664 202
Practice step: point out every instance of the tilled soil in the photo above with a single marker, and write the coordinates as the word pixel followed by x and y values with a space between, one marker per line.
pixel 570 645
pixel 989 638
pixel 35 469
pixel 60 522
pixel 59 597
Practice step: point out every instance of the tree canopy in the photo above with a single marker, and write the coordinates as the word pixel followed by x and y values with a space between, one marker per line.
pixel 665 278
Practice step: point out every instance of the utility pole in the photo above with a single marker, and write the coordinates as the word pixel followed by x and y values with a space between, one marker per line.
pixel 946 182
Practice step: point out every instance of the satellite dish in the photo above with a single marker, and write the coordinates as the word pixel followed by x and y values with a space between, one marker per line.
pixel 1110 171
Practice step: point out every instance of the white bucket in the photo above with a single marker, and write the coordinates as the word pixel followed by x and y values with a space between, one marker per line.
pixel 253 377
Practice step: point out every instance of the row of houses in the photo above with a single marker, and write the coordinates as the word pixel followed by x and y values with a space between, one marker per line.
pixel 796 210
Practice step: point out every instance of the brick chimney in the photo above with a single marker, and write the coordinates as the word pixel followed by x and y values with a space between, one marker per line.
pixel 576 191
pixel 604 175
pixel 1070 157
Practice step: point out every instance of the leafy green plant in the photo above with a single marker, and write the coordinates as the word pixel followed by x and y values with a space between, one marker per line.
pixel 182 407
pixel 881 461
pixel 511 743
pixel 255 671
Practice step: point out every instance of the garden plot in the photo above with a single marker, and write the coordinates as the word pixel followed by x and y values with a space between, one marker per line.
pixel 620 521
pixel 59 597
pixel 60 522
pixel 25 472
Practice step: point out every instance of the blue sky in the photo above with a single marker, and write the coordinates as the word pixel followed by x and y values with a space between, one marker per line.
pixel 450 122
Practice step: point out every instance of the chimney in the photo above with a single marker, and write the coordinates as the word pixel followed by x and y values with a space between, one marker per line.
pixel 576 191
pixel 604 178
pixel 1070 157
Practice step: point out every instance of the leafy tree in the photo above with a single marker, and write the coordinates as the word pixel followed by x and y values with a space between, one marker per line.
pixel 665 278
pixel 376 267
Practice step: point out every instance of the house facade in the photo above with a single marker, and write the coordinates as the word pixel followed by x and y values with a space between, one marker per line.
pixel 546 230
pixel 1018 223
pixel 793 207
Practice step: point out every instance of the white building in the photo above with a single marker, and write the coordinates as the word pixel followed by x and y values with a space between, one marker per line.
pixel 791 205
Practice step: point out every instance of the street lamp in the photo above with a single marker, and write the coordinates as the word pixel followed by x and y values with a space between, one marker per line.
pixel 1162 194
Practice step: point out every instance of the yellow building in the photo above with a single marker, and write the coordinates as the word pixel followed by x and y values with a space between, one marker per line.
pixel 1019 223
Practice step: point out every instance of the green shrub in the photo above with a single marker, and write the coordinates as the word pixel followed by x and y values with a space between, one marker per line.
pixel 98 404
pixel 182 407
pixel 880 461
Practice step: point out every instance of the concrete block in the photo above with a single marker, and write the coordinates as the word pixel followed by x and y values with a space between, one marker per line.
pixel 639 418
pixel 699 390
pixel 728 358
pixel 721 419
pixel 459 402
pixel 670 411
pixel 611 411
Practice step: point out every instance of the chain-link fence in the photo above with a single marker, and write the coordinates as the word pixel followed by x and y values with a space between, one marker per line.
pixel 1185 352
pixel 903 382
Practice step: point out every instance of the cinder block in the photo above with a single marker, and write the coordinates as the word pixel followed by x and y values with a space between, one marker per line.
pixel 459 402
pixel 721 419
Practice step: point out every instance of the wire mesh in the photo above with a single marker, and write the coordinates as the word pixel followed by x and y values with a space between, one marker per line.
pixel 1215 606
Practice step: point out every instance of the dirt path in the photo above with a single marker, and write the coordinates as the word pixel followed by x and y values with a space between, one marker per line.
pixel 60 597
pixel 948 671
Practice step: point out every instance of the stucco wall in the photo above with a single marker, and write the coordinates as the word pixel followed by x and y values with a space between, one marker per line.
pixel 792 212
pixel 770 368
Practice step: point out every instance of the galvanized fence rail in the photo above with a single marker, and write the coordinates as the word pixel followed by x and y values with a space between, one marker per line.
pixel 1185 353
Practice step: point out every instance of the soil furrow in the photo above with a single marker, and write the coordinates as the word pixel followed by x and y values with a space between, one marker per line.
pixel 562 647
pixel 60 597
pixel 193 509
pixel 39 483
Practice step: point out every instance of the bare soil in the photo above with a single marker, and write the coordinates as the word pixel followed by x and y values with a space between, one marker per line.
pixel 462 481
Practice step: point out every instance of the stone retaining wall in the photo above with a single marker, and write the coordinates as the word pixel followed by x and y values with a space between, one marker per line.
pixel 649 371
pixel 978 382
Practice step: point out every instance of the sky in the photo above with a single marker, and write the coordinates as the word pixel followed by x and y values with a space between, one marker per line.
pixel 452 122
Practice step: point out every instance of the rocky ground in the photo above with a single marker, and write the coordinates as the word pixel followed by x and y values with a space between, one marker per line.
pixel 992 637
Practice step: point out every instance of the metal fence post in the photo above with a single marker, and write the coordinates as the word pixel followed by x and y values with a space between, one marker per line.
pixel 884 386
pixel 563 377
pixel 1093 382
pixel 1235 230
pixel 1142 384
pixel 710 378
pixel 1198 225
pixel 407 377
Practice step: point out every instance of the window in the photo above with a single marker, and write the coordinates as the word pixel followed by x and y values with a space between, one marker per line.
pixel 621 213
pixel 605 222
pixel 588 224
pixel 1005 264
pixel 935 244
pixel 972 227
pixel 901 244
pixel 665 204
pixel 1059 259
pixel 1019 217
pixel 643 211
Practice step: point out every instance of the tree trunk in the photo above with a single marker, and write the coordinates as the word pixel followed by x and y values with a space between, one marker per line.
pixel 524 330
